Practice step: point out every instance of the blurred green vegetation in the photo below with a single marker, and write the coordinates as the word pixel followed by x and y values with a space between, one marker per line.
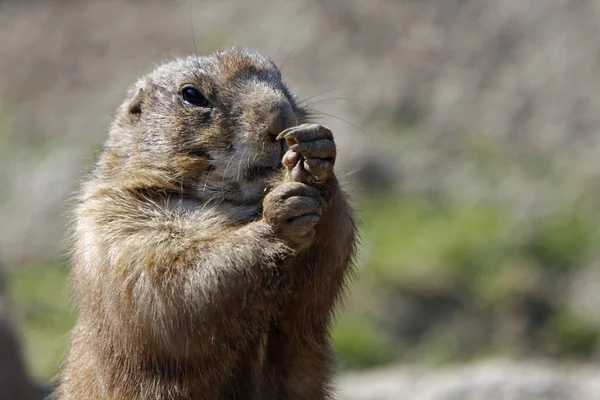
pixel 457 280
pixel 41 300
pixel 461 269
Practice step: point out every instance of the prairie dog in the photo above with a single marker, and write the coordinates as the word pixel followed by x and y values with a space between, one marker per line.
pixel 212 242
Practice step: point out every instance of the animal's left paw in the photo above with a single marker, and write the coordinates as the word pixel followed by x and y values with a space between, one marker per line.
pixel 312 152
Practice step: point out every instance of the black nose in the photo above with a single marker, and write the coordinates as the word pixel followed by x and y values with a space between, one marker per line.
pixel 282 117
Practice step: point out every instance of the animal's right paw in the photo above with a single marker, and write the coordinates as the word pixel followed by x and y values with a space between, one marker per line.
pixel 293 209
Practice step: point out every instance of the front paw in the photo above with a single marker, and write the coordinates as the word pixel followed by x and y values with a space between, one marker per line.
pixel 311 155
pixel 294 209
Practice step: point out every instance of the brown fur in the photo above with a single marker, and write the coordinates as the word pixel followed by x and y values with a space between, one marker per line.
pixel 197 275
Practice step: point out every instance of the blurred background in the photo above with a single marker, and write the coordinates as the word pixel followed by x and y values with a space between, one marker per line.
pixel 468 139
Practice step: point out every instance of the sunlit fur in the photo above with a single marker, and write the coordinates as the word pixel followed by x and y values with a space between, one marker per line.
pixel 184 290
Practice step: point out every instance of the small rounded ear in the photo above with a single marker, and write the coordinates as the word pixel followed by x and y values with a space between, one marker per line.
pixel 136 98
pixel 134 105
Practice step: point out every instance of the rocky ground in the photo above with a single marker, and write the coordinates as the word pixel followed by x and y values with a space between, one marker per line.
pixel 486 380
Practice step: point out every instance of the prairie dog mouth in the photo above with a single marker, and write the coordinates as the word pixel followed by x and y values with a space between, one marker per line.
pixel 269 165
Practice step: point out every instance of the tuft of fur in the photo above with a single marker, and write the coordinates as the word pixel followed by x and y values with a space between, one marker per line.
pixel 202 266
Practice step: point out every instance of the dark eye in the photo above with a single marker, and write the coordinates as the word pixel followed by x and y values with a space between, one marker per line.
pixel 194 97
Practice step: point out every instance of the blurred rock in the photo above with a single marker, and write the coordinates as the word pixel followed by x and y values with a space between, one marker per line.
pixel 489 380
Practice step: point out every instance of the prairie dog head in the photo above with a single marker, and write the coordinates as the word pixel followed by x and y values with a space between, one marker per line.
pixel 204 125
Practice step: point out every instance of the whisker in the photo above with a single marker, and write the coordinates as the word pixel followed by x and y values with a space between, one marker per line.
pixel 297 92
pixel 327 91
pixel 281 44
pixel 223 178
pixel 206 180
pixel 227 166
pixel 237 179
pixel 248 163
pixel 341 119
pixel 193 33
pixel 290 57
pixel 352 172
pixel 194 72
pixel 255 156
pixel 330 99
